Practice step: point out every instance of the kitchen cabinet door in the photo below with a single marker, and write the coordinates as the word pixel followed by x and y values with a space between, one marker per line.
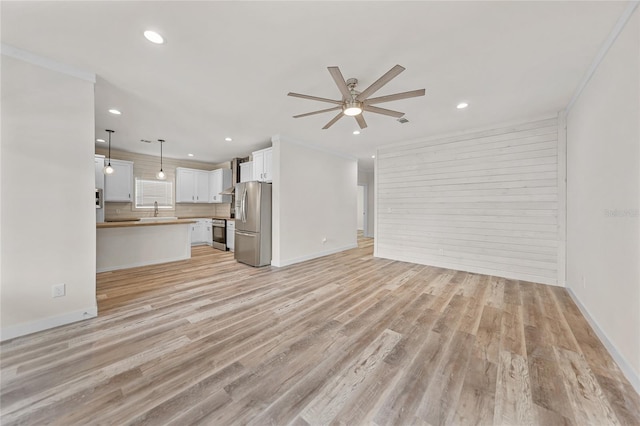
pixel 195 233
pixel 258 165
pixel 262 165
pixel 202 186
pixel 246 171
pixel 267 167
pixel 208 233
pixel 198 233
pixel 185 183
pixel 219 180
pixel 192 185
pixel 231 231
pixel 118 186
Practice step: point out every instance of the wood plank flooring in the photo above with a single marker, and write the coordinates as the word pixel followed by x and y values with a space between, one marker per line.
pixel 345 339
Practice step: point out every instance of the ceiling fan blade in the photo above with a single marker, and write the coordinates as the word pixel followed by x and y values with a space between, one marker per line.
pixel 333 120
pixel 395 97
pixel 383 111
pixel 314 98
pixel 387 77
pixel 317 112
pixel 339 79
pixel 360 119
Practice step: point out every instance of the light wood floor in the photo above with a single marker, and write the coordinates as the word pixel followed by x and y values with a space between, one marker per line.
pixel 346 339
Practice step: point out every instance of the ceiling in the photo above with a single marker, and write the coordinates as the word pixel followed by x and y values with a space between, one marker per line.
pixel 226 67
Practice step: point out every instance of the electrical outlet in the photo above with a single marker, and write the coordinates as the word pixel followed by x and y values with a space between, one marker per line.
pixel 324 240
pixel 58 290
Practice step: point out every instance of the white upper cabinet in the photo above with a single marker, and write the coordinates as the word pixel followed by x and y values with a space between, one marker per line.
pixel 185 184
pixel 118 186
pixel 192 185
pixel 262 161
pixel 246 171
pixel 219 180
pixel 202 186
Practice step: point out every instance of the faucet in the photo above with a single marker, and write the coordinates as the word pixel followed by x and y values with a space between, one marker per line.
pixel 155 209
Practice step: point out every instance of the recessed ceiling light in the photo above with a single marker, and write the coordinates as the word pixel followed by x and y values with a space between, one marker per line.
pixel 228 139
pixel 356 132
pixel 373 156
pixel 462 105
pixel 100 140
pixel 190 155
pixel 153 37
pixel 115 111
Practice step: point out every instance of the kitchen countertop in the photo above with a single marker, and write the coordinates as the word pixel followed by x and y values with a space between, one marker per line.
pixel 125 224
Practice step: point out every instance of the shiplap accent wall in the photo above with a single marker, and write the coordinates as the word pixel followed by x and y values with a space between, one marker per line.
pixel 484 202
pixel 146 166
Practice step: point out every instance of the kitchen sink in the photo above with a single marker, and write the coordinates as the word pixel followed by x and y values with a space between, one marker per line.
pixel 157 219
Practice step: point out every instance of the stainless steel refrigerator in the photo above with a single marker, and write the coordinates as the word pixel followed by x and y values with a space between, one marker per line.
pixel 253 223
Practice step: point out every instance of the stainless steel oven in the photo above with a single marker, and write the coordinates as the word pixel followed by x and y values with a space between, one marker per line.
pixel 219 229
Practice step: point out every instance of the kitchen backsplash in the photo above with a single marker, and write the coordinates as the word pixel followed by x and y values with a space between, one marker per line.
pixel 120 211
pixel 146 166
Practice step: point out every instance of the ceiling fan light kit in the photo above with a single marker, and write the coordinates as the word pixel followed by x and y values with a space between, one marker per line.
pixel 354 103
pixel 352 108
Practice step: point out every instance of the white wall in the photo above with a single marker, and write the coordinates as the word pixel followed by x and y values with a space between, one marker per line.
pixel 48 214
pixel 360 213
pixel 314 198
pixel 484 202
pixel 603 199
pixel 366 178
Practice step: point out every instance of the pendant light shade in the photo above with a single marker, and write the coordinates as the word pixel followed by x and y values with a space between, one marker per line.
pixel 161 175
pixel 107 170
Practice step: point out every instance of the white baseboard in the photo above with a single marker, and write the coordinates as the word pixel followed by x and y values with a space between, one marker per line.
pixel 288 262
pixel 625 367
pixel 23 329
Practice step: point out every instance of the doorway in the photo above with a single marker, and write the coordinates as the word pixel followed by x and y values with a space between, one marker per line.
pixel 362 209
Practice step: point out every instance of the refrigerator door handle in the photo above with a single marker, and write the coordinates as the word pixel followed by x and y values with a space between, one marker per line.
pixel 246 234
pixel 244 206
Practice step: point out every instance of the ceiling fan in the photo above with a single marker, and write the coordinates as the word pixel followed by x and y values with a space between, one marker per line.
pixel 353 102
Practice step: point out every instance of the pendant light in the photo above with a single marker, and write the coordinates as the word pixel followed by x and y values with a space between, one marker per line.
pixel 161 174
pixel 108 169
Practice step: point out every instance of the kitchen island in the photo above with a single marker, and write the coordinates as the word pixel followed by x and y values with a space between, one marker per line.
pixel 128 244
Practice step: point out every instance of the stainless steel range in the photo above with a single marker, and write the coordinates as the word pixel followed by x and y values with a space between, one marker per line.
pixel 219 229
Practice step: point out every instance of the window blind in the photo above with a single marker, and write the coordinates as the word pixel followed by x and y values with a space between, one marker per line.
pixel 149 191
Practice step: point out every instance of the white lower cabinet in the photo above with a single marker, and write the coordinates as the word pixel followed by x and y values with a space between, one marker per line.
pixel 201 232
pixel 208 233
pixel 231 231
